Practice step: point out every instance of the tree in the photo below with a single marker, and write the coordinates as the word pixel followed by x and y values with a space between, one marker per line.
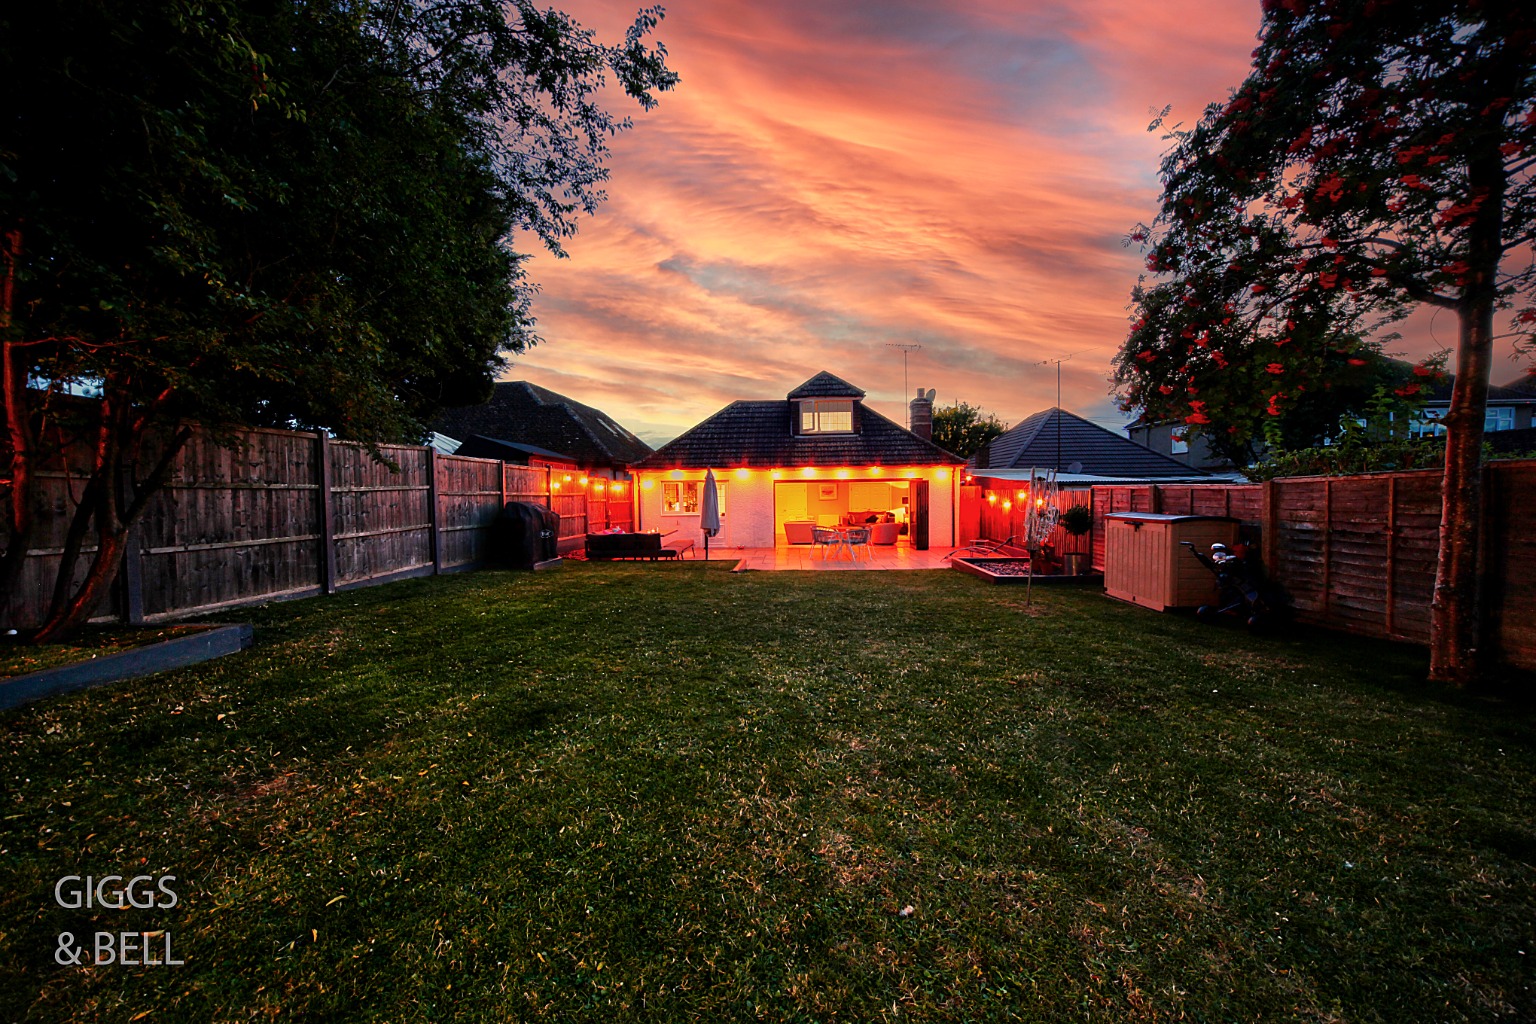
pixel 964 429
pixel 1378 157
pixel 285 213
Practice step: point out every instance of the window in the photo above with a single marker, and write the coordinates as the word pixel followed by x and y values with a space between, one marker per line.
pixel 682 497
pixel 827 416
pixel 1427 424
pixel 1180 440
pixel 1500 418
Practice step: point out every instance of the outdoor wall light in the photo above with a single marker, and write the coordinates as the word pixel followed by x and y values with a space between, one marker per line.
pixel 874 470
pixel 842 474
pixel 808 472
pixel 677 474
pixel 648 485
pixel 941 474
pixel 742 474
pixel 775 474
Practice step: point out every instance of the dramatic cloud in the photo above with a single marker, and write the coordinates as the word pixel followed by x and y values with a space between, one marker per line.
pixel 831 180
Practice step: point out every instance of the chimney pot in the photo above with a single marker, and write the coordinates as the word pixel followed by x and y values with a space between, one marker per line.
pixel 920 414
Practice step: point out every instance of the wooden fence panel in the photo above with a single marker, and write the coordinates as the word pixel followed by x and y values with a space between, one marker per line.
pixel 1509 595
pixel 524 483
pixel 381 520
pixel 233 524
pixel 468 503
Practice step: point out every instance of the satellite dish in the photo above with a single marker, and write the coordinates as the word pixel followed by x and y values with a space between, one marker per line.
pixel 1076 467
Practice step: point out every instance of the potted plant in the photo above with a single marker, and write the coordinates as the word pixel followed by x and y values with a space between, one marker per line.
pixel 1077 521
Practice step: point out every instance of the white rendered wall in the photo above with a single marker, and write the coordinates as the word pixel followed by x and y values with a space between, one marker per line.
pixel 749 515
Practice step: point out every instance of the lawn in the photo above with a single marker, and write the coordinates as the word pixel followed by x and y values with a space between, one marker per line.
pixel 671 793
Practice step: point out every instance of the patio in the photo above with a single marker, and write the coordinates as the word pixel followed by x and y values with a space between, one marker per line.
pixel 805 557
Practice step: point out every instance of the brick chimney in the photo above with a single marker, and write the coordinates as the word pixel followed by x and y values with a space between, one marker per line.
pixel 920 414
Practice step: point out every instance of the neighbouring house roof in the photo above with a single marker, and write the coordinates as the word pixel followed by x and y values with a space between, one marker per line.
pixel 1523 385
pixel 523 413
pixel 825 385
pixel 478 446
pixel 1515 393
pixel 1095 450
pixel 760 435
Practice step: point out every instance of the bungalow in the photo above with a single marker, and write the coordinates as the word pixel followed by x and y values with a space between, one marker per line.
pixel 818 456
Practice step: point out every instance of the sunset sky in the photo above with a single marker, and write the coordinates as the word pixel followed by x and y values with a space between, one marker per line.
pixel 832 178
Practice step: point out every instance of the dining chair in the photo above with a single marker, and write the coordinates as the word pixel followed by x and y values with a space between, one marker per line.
pixel 825 538
pixel 858 540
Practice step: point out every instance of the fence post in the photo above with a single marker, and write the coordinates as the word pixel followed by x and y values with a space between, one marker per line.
pixel 1391 609
pixel 327 543
pixel 1270 524
pixel 434 516
pixel 1327 544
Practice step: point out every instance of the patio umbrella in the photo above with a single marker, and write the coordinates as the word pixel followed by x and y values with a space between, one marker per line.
pixel 709 510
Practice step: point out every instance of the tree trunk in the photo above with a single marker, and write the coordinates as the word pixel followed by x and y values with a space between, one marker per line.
pixel 18 429
pixel 1454 623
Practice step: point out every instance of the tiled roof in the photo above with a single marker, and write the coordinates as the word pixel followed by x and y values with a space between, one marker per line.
pixel 757 434
pixel 1516 391
pixel 1033 444
pixel 525 413
pixel 1523 385
pixel 825 385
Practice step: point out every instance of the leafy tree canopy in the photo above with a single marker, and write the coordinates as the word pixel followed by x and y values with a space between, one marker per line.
pixel 1379 156
pixel 287 213
pixel 964 429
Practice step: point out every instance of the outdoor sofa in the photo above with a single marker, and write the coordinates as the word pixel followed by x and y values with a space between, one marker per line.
pixel 602 547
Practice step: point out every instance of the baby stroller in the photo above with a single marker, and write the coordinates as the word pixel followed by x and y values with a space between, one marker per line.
pixel 1243 590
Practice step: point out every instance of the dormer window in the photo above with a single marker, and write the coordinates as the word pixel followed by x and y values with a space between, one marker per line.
pixel 826 416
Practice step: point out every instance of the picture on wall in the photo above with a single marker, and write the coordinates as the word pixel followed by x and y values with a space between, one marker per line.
pixel 828 492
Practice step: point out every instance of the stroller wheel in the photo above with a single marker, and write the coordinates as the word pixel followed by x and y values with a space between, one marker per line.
pixel 1256 623
pixel 1206 613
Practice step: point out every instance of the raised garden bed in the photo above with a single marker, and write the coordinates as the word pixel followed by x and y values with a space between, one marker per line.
pixel 120 658
pixel 1014 570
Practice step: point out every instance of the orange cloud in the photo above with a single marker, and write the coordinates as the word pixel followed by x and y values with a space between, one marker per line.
pixel 826 182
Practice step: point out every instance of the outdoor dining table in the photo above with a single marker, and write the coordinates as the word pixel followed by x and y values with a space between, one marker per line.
pixel 845 541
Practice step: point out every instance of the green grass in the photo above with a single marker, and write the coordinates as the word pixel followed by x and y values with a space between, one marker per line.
pixel 670 793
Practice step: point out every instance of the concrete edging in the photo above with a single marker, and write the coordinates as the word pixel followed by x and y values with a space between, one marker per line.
pixel 178 652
